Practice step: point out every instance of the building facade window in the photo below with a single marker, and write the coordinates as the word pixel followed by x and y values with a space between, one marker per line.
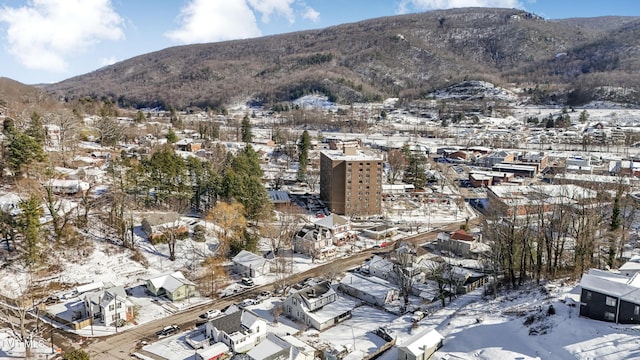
pixel 609 316
pixel 611 301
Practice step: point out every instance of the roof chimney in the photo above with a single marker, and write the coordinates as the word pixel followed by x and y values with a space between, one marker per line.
pixel 350 150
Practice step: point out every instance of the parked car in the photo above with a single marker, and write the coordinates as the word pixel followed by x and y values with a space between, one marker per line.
pixel 210 314
pixel 247 302
pixel 168 330
pixel 52 300
pixel 247 281
pixel 263 295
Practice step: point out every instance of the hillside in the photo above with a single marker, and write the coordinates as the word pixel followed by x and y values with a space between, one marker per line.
pixel 404 56
pixel 16 97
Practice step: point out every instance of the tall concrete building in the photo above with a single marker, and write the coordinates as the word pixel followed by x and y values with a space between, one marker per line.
pixel 351 182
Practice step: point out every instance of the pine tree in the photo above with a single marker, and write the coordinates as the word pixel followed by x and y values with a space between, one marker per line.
pixel 29 227
pixel 247 136
pixel 303 154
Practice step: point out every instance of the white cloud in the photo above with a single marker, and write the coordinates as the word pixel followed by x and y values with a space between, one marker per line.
pixel 423 5
pixel 43 34
pixel 207 21
pixel 311 14
pixel 269 7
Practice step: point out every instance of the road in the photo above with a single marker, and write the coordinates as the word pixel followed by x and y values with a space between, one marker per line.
pixel 120 346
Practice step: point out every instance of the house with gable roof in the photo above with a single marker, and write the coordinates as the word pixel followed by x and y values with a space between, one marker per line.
pixel 275 347
pixel 108 306
pixel 174 286
pixel 610 297
pixel 318 306
pixel 462 243
pixel 420 346
pixel 240 330
pixel 248 264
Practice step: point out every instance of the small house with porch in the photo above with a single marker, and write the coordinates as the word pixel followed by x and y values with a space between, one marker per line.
pixel 173 286
pixel 318 306
pixel 248 264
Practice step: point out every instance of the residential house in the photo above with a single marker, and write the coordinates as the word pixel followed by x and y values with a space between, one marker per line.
pixel 462 243
pixel 382 268
pixel 66 187
pixel 275 347
pixel 631 267
pixel 338 228
pixel 174 286
pixel 318 306
pixel 371 290
pixel 420 346
pixel 157 225
pixel 214 352
pixel 610 297
pixel 188 144
pixel 240 330
pixel 315 242
pixel 110 306
pixel 248 264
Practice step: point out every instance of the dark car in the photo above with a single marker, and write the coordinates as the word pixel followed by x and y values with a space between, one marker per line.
pixel 168 330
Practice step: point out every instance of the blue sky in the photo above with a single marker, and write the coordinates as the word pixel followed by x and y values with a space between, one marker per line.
pixel 43 41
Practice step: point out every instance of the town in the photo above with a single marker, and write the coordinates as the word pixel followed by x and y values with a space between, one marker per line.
pixel 319 180
pixel 272 233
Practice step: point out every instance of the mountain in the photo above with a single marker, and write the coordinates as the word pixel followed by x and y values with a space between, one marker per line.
pixel 16 97
pixel 405 56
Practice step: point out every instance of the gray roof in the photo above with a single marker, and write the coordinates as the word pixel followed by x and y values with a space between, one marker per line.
pixel 234 322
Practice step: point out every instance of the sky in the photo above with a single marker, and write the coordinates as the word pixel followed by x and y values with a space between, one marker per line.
pixel 46 41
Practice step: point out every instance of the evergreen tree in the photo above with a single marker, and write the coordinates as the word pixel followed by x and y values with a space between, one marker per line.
pixel 303 154
pixel 164 174
pixel 23 150
pixel 171 136
pixel 415 172
pixel 615 214
pixel 242 181
pixel 247 136
pixel 36 129
pixel 29 226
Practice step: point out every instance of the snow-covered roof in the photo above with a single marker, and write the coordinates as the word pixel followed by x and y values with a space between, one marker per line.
pixel 213 350
pixel 249 259
pixel 373 286
pixel 340 306
pixel 426 339
pixel 268 347
pixel 608 285
pixel 170 282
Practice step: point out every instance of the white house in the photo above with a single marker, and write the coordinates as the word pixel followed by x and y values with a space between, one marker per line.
pixel 213 352
pixel 631 267
pixel 109 306
pixel 240 330
pixel 420 346
pixel 281 348
pixel 248 264
pixel 371 290
pixel 67 187
pixel 318 306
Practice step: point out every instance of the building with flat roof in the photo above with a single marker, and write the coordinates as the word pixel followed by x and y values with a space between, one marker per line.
pixel 351 182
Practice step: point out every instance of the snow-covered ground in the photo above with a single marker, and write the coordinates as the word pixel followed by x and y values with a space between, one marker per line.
pixel 515 325
pixel 12 348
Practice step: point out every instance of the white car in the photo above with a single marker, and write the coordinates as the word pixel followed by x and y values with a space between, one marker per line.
pixel 210 314
pixel 247 302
